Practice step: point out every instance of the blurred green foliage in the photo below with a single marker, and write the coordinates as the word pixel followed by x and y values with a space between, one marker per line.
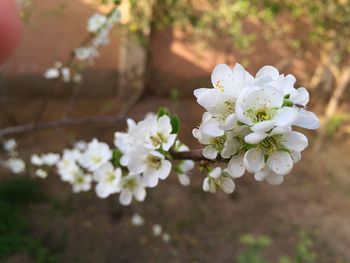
pixel 327 22
pixel 255 247
pixel 336 122
pixel 15 194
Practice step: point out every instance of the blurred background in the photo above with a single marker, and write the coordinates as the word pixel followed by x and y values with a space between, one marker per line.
pixel 159 52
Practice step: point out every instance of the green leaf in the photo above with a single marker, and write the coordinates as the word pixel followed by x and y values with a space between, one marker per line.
pixel 162 112
pixel 288 103
pixel 175 124
pixel 117 154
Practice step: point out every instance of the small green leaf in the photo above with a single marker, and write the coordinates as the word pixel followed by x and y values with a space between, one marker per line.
pixel 175 124
pixel 116 156
pixel 174 94
pixel 162 112
pixel 288 103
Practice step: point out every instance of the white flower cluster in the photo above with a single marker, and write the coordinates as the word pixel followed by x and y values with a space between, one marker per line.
pixel 143 148
pixel 59 71
pixel 140 160
pixel 14 163
pixel 248 121
pixel 45 160
pixel 99 25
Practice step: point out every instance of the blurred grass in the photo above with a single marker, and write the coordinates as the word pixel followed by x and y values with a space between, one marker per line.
pixel 16 194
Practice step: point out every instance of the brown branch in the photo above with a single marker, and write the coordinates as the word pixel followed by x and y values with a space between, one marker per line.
pixel 69 63
pixel 194 155
pixel 60 123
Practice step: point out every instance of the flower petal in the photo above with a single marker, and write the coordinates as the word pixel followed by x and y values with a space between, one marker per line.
pixel 210 152
pixel 221 76
pixel 296 156
pixel 139 193
pixel 227 185
pixel 307 120
pixel 171 140
pixel 205 186
pixel 164 125
pixel 263 126
pixel 215 173
pixel 280 162
pixel 274 179
pixel 125 197
pixel 295 141
pixel 230 122
pixel 150 178
pixel 268 71
pixel 254 160
pixel 254 137
pixel 261 175
pixel 286 116
pixel 212 128
pixel 235 166
pixel 164 170
pixel 184 179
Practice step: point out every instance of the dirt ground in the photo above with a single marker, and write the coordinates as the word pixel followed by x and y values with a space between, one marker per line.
pixel 203 227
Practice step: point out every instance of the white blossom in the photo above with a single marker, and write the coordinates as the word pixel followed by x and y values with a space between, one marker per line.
pixel 184 166
pixel 80 145
pixel 108 180
pixel 49 159
pixel 81 181
pixel 218 179
pixel 35 159
pixel 41 173
pixel 157 230
pixel 137 220
pixel 275 152
pixel 262 109
pixel 96 154
pixel 10 145
pixel 131 186
pixel 52 73
pixel 85 53
pixel 159 134
pixel 166 237
pixel 249 120
pixel 16 165
pixel 65 72
pixel 95 22
pixel 299 97
pixel 67 166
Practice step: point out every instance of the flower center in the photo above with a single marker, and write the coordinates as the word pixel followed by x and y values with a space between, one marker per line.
pixel 218 142
pixel 154 161
pixel 219 86
pixel 157 139
pixel 229 108
pixel 130 183
pixel 271 144
pixel 79 179
pixel 262 115
pixel 96 158
pixel 110 177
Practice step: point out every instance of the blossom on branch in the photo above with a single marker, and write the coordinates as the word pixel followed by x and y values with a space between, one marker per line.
pixel 249 121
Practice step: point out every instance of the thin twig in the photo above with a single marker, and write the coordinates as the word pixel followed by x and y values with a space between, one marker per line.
pixel 194 155
pixel 60 123
pixel 57 82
